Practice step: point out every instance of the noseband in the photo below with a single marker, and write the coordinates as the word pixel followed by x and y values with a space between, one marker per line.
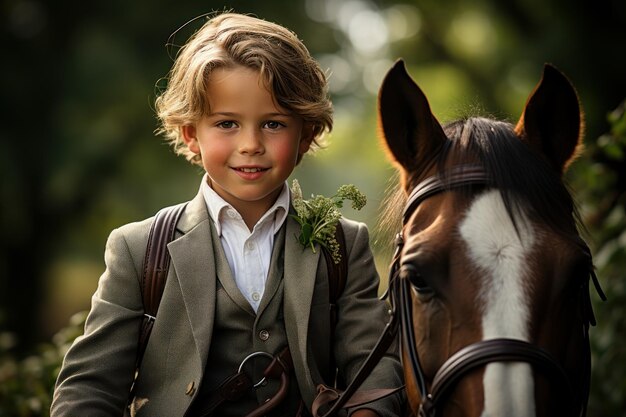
pixel 472 356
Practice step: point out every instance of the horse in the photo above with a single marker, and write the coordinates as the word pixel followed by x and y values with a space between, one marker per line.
pixel 490 279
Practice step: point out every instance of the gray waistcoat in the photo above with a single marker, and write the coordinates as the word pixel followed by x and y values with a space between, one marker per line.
pixel 239 332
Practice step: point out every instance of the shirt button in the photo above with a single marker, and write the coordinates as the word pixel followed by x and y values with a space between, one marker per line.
pixel 264 335
pixel 250 245
pixel 256 296
pixel 231 213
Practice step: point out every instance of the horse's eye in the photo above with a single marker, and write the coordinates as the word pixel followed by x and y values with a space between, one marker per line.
pixel 410 272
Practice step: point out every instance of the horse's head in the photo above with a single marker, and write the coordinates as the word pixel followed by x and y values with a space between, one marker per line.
pixel 490 252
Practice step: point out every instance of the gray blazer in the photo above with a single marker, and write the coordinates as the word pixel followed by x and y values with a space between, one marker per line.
pixel 98 369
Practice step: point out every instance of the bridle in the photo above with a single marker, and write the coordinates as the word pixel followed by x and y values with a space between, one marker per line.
pixel 468 358
pixel 480 353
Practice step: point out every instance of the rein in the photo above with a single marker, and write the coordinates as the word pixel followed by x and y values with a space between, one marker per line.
pixel 477 354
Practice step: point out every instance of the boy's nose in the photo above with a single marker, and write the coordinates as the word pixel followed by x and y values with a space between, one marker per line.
pixel 251 142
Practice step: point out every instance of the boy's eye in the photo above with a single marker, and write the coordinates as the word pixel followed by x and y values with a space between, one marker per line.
pixel 273 124
pixel 226 124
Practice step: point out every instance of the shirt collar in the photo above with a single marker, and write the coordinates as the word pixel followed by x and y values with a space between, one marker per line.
pixel 217 207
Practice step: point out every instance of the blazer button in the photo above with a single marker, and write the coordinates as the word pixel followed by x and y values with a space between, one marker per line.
pixel 264 335
pixel 191 389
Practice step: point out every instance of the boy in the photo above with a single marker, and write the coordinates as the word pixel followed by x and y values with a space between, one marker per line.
pixel 246 101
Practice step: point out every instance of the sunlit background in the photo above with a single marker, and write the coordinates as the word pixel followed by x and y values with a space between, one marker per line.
pixel 79 156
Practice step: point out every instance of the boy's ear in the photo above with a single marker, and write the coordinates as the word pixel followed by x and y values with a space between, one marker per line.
pixel 189 136
pixel 306 139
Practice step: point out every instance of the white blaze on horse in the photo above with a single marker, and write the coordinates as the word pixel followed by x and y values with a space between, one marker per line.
pixel 491 276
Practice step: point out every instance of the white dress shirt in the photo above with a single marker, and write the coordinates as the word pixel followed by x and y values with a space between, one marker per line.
pixel 248 253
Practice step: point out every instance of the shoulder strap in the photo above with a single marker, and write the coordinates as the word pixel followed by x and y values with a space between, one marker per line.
pixel 157 259
pixel 154 273
pixel 337 276
pixel 337 272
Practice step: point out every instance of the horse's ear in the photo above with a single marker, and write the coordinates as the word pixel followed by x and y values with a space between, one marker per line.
pixel 552 119
pixel 412 134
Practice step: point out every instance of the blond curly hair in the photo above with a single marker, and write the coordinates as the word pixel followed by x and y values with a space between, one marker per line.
pixel 296 80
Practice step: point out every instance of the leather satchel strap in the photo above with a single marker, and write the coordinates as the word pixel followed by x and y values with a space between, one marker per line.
pixel 154 274
pixel 157 259
pixel 337 277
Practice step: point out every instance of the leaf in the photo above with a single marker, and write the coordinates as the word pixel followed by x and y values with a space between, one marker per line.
pixel 306 233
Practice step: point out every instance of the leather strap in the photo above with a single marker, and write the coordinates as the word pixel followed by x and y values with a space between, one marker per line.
pixel 238 384
pixel 280 368
pixel 154 274
pixel 327 394
pixel 337 277
pixel 231 389
pixel 458 176
pixel 276 399
pixel 495 350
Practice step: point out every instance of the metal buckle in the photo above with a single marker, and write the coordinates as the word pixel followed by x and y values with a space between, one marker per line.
pixel 253 355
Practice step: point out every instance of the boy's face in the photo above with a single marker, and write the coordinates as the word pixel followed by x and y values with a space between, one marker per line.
pixel 249 146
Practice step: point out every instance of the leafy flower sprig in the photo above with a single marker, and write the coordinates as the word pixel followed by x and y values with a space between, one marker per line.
pixel 318 216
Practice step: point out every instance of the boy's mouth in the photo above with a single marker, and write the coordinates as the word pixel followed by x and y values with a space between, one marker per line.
pixel 251 170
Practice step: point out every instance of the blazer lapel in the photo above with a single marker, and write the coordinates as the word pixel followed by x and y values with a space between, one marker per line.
pixel 300 274
pixel 192 260
pixel 276 270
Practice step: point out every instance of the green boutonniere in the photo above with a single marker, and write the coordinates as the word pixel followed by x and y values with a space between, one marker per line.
pixel 318 216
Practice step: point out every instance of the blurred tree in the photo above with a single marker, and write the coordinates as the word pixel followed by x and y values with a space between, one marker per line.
pixel 603 181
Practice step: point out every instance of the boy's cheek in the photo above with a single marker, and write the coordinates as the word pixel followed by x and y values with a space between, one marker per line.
pixel 285 152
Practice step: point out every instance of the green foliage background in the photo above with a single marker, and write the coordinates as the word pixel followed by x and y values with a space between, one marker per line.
pixel 79 156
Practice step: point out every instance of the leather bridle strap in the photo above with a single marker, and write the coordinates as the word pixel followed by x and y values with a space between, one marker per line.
pixel 407 332
pixel 340 399
pixel 456 177
pixel 485 352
